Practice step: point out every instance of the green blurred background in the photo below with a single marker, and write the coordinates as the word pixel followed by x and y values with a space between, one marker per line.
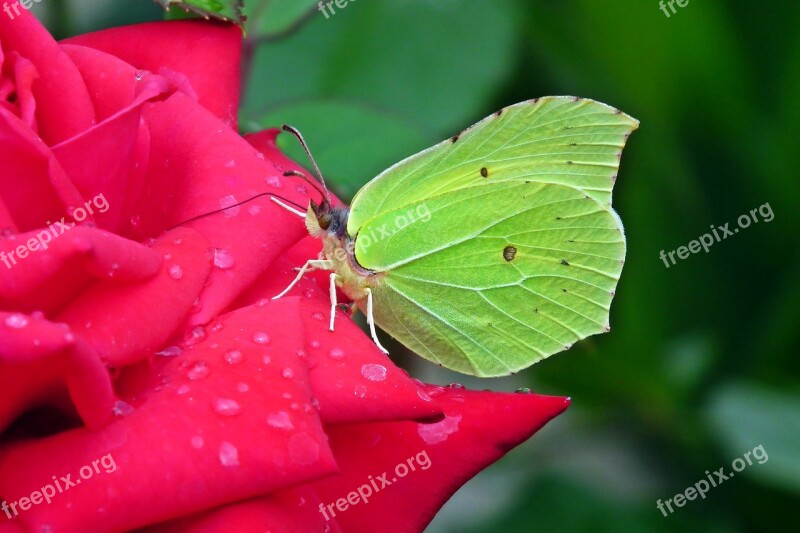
pixel 701 365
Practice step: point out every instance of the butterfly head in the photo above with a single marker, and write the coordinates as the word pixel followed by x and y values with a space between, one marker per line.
pixel 326 219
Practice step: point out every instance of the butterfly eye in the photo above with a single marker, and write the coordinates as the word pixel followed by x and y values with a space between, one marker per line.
pixel 324 220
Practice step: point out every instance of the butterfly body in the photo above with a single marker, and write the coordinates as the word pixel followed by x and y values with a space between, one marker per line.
pixel 495 248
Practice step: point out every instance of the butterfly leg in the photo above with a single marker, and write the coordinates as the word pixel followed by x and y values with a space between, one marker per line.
pixel 333 299
pixel 310 264
pixel 371 322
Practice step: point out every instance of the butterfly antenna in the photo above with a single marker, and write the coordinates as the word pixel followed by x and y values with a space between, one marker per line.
pixel 294 131
pixel 221 209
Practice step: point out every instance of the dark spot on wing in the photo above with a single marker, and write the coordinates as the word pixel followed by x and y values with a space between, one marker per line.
pixel 454 138
pixel 498 113
pixel 509 252
pixel 569 162
pixel 573 144
pixel 563 290
pixel 565 262
pixel 536 310
pixel 484 172
pixel 558 218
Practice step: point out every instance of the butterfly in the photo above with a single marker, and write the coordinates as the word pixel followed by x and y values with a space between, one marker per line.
pixel 493 249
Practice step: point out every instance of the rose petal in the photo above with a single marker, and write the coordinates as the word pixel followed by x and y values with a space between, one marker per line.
pixel 478 429
pixel 63 106
pixel 206 53
pixel 138 318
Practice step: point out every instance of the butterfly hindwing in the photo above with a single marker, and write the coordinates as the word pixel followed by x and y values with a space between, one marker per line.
pixel 496 279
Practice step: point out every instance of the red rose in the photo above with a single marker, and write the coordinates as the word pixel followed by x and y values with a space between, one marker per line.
pixel 187 398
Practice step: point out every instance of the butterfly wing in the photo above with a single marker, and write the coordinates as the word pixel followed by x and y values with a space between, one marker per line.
pixel 509 251
pixel 555 139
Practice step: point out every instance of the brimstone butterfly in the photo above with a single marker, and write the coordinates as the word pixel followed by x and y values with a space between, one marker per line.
pixel 515 251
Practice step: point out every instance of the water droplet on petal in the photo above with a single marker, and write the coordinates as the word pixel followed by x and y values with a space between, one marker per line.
pixel 280 420
pixel 267 359
pixel 230 163
pixel 360 391
pixel 16 321
pixel 315 344
pixel 135 220
pixel 228 454
pixel 198 371
pixel 318 316
pixel 175 272
pixel 523 390
pixel 337 354
pixel 140 74
pixel 222 259
pixel 423 395
pixel 197 335
pixel 439 431
pixel 226 203
pixel 301 189
pixel 197 442
pixel 261 338
pixel 242 387
pixel 456 386
pixel 274 181
pixel 226 406
pixel 122 408
pixel 260 155
pixel 183 389
pixel 170 351
pixel 233 356
pixel 288 373
pixel 374 372
pixel 177 242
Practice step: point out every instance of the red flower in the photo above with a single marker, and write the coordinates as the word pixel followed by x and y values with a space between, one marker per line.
pixel 188 398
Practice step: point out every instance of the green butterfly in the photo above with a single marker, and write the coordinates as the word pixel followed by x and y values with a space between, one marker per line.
pixel 493 249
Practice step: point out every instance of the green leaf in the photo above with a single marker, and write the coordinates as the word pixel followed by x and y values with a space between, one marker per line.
pixel 437 64
pixel 269 18
pixel 351 142
pixel 746 415
pixel 228 10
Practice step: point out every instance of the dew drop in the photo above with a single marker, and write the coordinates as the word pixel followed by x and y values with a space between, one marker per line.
pixel 337 354
pixel 318 316
pixel 280 420
pixel 226 203
pixel 242 387
pixel 424 396
pixel 140 74
pixel 360 391
pixel 374 372
pixel 198 371
pixel 228 454
pixel 266 359
pixel 177 242
pixel 170 351
pixel 260 155
pixel 261 338
pixel 197 335
pixel 439 431
pixel 183 389
pixel 197 442
pixel 226 406
pixel 455 386
pixel 122 408
pixel 230 163
pixel 274 181
pixel 523 390
pixel 288 373
pixel 175 272
pixel 315 344
pixel 301 189
pixel 16 321
pixel 135 220
pixel 233 357
pixel 222 259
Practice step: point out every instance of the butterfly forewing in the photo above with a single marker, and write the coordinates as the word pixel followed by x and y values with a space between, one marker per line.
pixel 573 141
